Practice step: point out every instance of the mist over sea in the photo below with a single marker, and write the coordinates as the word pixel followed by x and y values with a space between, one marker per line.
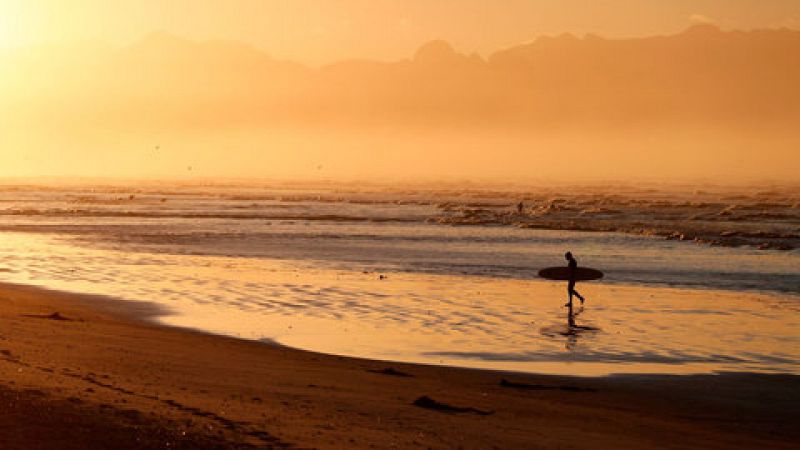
pixel 330 266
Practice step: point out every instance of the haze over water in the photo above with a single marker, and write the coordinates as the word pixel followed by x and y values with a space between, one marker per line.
pixel 704 103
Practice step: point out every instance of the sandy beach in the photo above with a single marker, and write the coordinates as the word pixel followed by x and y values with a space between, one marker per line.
pixel 81 371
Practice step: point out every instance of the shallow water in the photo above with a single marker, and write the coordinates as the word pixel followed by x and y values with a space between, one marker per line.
pixel 303 272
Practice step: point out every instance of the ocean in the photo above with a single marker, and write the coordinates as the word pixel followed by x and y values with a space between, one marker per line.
pixel 696 280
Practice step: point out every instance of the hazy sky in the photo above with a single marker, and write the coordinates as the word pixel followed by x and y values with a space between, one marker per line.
pixel 320 31
pixel 704 104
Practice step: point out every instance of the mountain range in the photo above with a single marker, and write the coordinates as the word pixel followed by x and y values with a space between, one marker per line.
pixel 703 73
pixel 701 103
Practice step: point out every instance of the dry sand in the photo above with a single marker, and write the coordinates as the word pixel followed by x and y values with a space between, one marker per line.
pixel 99 375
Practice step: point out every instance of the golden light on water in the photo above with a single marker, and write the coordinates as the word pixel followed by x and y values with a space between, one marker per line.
pixel 417 317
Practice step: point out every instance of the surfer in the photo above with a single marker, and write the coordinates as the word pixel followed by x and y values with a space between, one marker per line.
pixel 573 266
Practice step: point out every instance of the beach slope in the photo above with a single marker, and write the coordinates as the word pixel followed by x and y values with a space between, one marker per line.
pixel 86 372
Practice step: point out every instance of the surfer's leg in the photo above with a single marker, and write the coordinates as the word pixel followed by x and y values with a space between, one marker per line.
pixel 570 291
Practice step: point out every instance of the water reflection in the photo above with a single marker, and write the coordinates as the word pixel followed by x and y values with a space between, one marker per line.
pixel 573 330
pixel 454 320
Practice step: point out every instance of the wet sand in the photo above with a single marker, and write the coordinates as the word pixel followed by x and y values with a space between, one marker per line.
pixel 99 375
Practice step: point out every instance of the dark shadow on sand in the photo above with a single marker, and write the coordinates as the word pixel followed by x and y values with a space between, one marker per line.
pixel 429 403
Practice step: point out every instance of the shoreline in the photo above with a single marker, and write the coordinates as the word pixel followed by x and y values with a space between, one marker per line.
pixel 205 391
pixel 154 314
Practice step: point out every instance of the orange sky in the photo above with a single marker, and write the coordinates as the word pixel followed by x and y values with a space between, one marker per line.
pixel 702 103
pixel 322 31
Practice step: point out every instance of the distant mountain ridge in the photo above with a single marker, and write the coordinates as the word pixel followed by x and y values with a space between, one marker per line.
pixel 703 73
pixel 701 103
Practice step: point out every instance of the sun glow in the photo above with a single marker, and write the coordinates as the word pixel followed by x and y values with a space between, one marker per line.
pixel 6 32
pixel 10 24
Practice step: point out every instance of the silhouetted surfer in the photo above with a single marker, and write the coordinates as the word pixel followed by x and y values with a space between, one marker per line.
pixel 573 266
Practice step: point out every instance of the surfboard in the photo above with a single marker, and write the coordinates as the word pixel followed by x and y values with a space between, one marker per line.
pixel 562 273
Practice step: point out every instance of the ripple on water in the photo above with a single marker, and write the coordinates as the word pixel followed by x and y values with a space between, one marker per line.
pixel 459 320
